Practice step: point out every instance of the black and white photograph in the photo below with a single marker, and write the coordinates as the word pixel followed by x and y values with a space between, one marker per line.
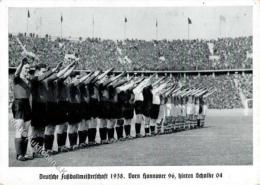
pixel 130 86
pixel 129 92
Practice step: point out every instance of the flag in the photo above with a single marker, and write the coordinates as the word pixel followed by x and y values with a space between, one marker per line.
pixel 156 24
pixel 189 21
pixel 61 19
pixel 28 14
pixel 222 18
pixel 125 20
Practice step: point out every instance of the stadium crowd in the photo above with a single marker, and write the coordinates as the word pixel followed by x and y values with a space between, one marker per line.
pixel 152 55
pixel 226 96
pixel 246 85
pixel 141 55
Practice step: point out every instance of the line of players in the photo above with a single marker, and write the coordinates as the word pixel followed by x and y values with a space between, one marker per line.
pixel 71 103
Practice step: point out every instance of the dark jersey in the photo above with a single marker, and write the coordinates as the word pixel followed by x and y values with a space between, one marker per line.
pixel 39 88
pixel 52 91
pixel 148 95
pixel 84 94
pixel 21 88
pixel 63 91
pixel 113 96
pixel 104 94
pixel 74 93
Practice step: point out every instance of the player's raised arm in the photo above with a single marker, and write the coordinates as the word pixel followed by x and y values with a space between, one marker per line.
pixel 105 73
pixel 67 70
pixel 20 67
pixel 82 79
pixel 115 79
pixel 49 72
pixel 158 81
pixel 90 79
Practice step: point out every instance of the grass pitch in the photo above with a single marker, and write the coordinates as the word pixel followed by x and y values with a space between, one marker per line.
pixel 226 139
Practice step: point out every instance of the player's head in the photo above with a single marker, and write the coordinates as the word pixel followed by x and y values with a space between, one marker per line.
pixel 40 69
pixel 25 69
pixel 75 76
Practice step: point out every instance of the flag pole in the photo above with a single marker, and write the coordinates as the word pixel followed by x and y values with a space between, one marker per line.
pixel 219 28
pixel 61 20
pixel 40 30
pixel 93 27
pixel 124 29
pixel 156 29
pixel 27 26
pixel 61 30
pixel 27 22
pixel 188 31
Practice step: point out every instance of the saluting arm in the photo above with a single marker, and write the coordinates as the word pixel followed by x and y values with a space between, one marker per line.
pixel 81 80
pixel 19 69
pixel 67 73
pixel 49 72
pixel 62 73
pixel 125 86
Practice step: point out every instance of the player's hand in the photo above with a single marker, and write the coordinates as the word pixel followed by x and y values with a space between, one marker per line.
pixel 24 53
pixel 58 67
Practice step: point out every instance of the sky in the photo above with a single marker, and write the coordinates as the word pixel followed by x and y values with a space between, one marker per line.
pixel 207 22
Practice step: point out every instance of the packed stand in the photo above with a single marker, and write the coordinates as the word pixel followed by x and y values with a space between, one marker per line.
pixel 226 96
pixel 143 55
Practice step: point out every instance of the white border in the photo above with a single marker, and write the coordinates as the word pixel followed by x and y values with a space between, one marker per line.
pixel 233 174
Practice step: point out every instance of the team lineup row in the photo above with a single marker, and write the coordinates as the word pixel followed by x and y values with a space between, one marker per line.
pixel 73 103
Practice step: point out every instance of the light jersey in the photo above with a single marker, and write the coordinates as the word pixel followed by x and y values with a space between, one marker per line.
pixel 156 99
pixel 161 112
pixel 183 110
pixel 190 108
pixel 168 108
pixel 196 109
pixel 205 108
pixel 178 110
pixel 174 110
pixel 139 96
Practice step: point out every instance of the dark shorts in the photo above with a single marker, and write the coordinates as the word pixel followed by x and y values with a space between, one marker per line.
pixel 21 109
pixel 120 109
pixel 85 110
pixel 128 111
pixel 39 114
pixel 154 112
pixel 113 110
pixel 52 112
pixel 94 108
pixel 104 110
pixel 74 115
pixel 138 107
pixel 62 112
pixel 147 109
